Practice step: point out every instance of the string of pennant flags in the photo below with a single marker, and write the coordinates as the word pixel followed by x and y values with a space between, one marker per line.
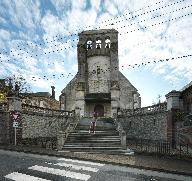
pixel 126 19
pixel 33 54
pixel 58 38
pixel 71 34
pixel 130 66
pixel 64 48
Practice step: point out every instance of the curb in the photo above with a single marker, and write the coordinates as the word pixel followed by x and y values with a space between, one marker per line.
pixel 95 160
pixel 175 157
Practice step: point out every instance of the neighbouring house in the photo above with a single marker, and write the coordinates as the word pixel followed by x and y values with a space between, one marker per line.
pixel 41 99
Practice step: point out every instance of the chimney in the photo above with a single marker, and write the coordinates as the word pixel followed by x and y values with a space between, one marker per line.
pixel 53 92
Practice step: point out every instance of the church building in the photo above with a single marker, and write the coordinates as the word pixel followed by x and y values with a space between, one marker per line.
pixel 99 87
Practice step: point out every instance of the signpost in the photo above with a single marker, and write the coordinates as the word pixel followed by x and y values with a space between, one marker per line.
pixel 16 118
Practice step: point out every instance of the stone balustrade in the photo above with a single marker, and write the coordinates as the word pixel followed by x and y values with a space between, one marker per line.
pixel 144 110
pixel 40 110
pixel 63 134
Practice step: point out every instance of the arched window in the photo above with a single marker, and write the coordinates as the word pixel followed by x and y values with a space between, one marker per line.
pixel 99 110
pixel 98 43
pixel 107 42
pixel 89 44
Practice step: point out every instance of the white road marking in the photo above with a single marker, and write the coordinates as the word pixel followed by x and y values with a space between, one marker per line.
pixel 23 177
pixel 83 162
pixel 76 167
pixel 59 172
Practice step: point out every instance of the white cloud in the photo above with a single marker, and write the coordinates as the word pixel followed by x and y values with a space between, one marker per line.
pixel 156 42
pixel 53 25
pixel 4 37
pixel 24 13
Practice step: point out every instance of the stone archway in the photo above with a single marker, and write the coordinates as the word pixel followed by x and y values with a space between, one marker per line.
pixel 100 110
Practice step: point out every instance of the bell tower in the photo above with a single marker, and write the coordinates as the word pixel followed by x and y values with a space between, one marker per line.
pixel 99 87
pixel 98 69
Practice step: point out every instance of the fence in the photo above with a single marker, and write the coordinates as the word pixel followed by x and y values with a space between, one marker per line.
pixel 159 147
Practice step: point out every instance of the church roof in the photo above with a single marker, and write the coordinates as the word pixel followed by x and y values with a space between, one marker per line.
pixel 186 86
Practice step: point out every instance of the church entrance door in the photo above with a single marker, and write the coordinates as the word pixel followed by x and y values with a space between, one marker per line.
pixel 99 109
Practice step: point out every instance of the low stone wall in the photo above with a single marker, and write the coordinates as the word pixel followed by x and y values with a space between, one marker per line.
pixel 150 126
pixel 183 133
pixel 43 123
pixel 41 142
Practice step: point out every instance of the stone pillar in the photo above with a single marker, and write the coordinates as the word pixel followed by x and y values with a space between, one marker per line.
pixel 62 101
pixel 82 56
pixel 14 104
pixel 80 99
pixel 114 56
pixel 61 135
pixel 174 104
pixel 115 91
pixel 173 100
pixel 123 140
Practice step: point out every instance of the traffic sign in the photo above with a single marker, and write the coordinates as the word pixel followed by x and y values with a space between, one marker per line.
pixel 15 124
pixel 15 115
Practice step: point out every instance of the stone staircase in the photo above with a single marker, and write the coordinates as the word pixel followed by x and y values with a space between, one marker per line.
pixel 106 138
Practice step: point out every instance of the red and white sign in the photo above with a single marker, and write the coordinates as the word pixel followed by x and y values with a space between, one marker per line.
pixel 15 115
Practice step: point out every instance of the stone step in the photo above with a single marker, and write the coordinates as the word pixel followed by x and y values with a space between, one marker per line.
pixel 83 148
pixel 96 133
pixel 91 145
pixel 109 151
pixel 98 127
pixel 93 140
pixel 93 136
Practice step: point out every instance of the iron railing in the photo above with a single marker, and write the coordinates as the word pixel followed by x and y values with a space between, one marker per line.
pixel 159 147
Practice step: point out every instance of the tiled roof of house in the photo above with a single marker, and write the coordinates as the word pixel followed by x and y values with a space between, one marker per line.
pixel 38 94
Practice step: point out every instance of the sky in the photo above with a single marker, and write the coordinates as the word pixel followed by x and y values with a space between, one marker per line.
pixel 38 40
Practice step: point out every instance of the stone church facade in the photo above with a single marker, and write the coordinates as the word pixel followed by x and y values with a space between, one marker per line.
pixel 99 86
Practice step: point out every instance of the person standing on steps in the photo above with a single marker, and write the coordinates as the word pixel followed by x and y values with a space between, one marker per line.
pixel 93 123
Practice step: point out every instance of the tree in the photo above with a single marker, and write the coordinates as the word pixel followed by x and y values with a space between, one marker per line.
pixel 16 85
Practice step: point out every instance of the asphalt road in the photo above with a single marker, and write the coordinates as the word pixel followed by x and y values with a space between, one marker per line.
pixel 30 167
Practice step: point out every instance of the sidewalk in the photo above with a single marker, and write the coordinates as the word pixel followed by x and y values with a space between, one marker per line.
pixel 157 163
